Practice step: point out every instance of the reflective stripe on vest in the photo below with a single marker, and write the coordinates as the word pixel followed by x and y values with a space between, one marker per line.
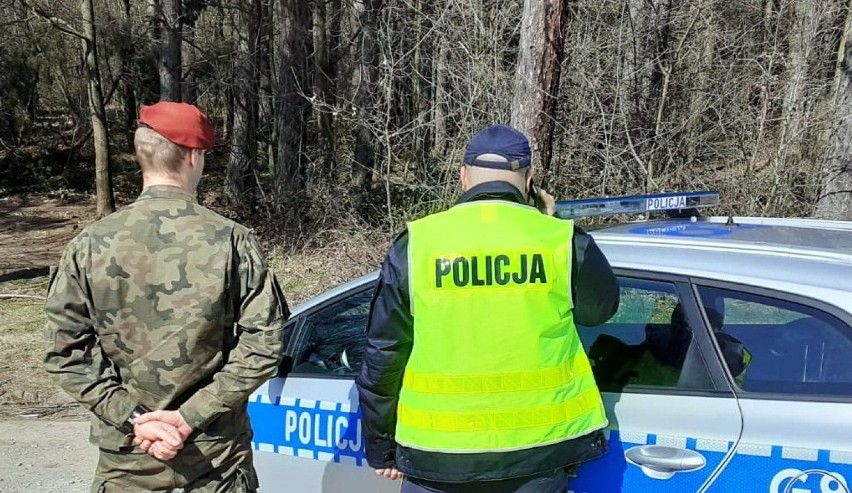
pixel 496 382
pixel 497 363
pixel 511 419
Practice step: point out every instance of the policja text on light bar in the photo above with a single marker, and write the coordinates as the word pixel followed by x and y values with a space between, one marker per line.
pixel 635 204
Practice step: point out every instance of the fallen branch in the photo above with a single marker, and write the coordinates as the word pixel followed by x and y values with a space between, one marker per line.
pixel 23 296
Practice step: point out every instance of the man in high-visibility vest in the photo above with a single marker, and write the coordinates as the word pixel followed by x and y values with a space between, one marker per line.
pixel 474 378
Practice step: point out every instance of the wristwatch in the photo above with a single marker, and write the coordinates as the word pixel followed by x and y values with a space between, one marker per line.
pixel 134 415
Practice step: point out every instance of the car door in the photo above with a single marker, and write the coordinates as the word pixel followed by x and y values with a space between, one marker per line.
pixel 796 390
pixel 307 426
pixel 673 418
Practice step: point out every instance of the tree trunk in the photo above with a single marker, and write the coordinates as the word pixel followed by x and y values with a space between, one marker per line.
pixel 801 43
pixel 154 17
pixel 835 199
pixel 367 96
pixel 128 93
pixel 241 163
pixel 103 177
pixel 700 59
pixel 439 111
pixel 292 48
pixel 423 89
pixel 266 105
pixel 324 77
pixel 189 86
pixel 633 108
pixel 537 75
pixel 170 52
pixel 664 56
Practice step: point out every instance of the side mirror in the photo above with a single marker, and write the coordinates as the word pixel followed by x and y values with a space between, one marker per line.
pixel 736 356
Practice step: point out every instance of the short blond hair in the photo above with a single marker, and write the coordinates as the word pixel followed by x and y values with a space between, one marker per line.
pixel 157 154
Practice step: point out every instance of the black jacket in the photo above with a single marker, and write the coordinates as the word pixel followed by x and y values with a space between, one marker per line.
pixel 389 341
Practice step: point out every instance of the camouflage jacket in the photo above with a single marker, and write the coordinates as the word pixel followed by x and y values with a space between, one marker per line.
pixel 167 305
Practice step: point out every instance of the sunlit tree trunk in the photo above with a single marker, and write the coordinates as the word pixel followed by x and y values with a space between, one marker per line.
pixel 538 73
pixel 103 177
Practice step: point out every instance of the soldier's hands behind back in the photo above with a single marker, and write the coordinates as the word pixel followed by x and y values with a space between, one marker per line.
pixel 161 451
pixel 161 434
pixel 172 418
pixel 159 440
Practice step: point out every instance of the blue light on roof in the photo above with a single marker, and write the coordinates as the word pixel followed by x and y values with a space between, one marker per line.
pixel 635 204
pixel 699 229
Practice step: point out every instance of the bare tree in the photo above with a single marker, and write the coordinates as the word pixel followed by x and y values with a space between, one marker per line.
pixel 699 60
pixel 103 177
pixel 835 198
pixel 368 93
pixel 266 104
pixel 794 103
pixel 169 12
pixel 293 109
pixel 326 52
pixel 97 112
pixel 537 76
pixel 242 160
pixel 165 32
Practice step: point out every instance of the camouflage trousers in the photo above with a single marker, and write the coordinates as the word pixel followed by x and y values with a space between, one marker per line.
pixel 200 467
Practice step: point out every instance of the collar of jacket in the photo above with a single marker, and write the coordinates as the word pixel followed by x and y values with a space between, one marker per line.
pixel 493 190
pixel 166 192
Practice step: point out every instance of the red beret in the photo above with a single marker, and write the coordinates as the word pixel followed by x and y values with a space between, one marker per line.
pixel 181 123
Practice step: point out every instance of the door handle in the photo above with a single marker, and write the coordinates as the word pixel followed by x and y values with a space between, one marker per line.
pixel 662 462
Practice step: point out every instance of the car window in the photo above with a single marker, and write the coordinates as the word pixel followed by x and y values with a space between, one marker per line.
pixel 647 343
pixel 335 336
pixel 793 348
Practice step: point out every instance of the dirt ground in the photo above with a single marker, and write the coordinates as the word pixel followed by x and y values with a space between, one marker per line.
pixel 44 444
pixel 40 455
pixel 32 235
pixel 43 436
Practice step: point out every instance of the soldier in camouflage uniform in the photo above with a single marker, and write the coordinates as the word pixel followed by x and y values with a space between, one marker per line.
pixel 166 306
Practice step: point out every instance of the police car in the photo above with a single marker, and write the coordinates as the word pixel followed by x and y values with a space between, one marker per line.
pixel 727 368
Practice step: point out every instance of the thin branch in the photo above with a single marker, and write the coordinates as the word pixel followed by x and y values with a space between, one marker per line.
pixel 54 21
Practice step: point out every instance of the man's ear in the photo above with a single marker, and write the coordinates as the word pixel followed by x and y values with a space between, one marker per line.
pixel 195 157
pixel 463 178
pixel 528 178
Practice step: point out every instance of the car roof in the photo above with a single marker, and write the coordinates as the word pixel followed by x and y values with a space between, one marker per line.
pixel 749 250
pixel 334 292
pixel 803 251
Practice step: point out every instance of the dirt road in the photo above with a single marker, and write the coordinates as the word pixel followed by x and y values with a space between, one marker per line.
pixel 45 456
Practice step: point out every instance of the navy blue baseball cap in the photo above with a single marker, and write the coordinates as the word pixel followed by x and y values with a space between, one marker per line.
pixel 499 147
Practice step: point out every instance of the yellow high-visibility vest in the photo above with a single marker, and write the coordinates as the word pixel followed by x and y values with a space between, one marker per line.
pixel 497 364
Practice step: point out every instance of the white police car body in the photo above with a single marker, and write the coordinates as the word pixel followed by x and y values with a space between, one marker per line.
pixel 727 368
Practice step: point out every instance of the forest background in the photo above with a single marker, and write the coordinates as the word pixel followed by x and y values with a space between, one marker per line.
pixel 338 120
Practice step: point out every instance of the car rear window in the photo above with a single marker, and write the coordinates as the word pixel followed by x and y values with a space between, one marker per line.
pixel 794 348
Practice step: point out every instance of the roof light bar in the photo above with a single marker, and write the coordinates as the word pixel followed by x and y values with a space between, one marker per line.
pixel 635 204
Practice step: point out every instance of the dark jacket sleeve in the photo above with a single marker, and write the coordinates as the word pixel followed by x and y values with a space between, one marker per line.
pixel 390 334
pixel 593 284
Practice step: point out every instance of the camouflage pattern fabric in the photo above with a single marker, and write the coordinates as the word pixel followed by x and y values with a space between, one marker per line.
pixel 200 467
pixel 167 305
